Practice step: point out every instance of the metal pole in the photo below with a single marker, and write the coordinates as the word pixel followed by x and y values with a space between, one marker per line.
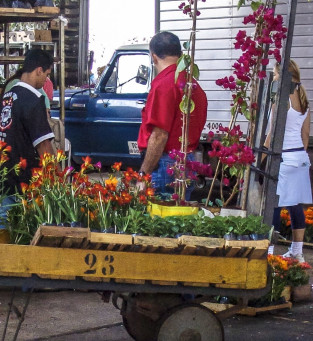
pixel 61 70
pixel 157 9
pixel 270 200
pixel 62 79
pixel 83 70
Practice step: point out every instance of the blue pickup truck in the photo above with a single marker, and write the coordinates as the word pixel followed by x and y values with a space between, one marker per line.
pixel 104 122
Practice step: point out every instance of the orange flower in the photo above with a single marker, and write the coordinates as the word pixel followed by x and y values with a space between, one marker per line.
pixel 3 158
pixel 92 216
pixel 117 166
pixel 24 187
pixel 150 191
pixel 111 183
pixel 87 160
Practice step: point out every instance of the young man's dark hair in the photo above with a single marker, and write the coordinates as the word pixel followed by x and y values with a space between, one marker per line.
pixel 37 58
pixel 165 44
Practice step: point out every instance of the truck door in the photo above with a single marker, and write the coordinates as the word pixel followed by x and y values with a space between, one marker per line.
pixel 115 111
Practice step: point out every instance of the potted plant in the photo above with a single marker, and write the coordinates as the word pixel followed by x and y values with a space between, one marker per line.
pixel 289 272
pixel 298 279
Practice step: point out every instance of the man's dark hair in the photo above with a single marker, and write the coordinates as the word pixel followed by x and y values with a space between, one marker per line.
pixel 165 44
pixel 37 58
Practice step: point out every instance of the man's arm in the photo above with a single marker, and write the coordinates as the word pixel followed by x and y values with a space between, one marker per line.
pixel 45 147
pixel 155 148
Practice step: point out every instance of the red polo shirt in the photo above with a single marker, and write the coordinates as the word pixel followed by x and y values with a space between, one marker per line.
pixel 162 110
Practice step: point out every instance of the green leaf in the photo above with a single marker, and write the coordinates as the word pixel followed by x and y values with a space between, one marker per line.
pixel 255 5
pixel 182 64
pixel 186 45
pixel 195 71
pixel 247 114
pixel 240 3
pixel 233 171
pixel 183 105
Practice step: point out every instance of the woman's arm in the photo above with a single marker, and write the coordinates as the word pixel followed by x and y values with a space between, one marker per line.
pixel 305 131
pixel 268 137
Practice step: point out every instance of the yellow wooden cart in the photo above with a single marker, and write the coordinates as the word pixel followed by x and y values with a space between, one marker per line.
pixel 159 284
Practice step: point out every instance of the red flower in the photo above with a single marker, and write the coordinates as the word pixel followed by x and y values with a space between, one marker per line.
pixel 23 163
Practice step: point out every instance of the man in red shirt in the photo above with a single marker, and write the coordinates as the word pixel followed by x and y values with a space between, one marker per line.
pixel 161 126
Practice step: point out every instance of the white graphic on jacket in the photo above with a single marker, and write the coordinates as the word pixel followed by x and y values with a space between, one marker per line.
pixel 6 117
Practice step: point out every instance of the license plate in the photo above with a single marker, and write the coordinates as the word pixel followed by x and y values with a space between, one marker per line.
pixel 133 147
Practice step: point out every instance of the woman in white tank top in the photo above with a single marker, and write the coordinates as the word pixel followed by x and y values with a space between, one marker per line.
pixel 294 186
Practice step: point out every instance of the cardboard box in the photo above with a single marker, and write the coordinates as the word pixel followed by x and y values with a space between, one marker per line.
pixel 54 24
pixel 43 35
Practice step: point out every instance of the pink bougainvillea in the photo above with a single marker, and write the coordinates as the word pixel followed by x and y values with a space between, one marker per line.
pixel 269 32
pixel 234 156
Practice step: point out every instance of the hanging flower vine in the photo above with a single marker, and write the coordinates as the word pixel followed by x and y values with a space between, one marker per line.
pixel 249 69
pixel 186 64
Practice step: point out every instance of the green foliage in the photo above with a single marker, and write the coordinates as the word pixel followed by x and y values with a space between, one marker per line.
pixel 182 64
pixel 254 4
pixel 196 225
pixel 185 104
pixel 186 45
pixel 196 71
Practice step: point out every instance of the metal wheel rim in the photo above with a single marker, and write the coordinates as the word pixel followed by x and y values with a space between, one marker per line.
pixel 203 324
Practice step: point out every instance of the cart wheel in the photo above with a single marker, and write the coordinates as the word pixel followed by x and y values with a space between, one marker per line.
pixel 138 326
pixel 190 322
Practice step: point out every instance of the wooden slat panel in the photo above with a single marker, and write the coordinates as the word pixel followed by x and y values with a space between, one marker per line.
pixel 96 279
pixel 14 274
pixel 110 238
pixel 232 251
pixel 67 278
pixel 123 265
pixel 170 243
pixel 258 253
pixel 6 10
pixel 47 9
pixel 194 284
pixel 258 244
pixel 57 236
pixel 201 241
pixel 163 283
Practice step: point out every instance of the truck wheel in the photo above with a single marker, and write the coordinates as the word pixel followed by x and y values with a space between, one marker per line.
pixel 190 322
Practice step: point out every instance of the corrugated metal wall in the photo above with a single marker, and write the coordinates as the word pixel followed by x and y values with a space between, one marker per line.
pixel 217 26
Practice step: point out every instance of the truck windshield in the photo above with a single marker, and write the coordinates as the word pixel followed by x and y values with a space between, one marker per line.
pixel 123 77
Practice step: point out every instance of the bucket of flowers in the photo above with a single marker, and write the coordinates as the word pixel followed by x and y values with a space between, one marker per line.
pixel 289 272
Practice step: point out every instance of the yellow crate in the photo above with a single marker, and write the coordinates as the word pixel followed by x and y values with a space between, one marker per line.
pixel 166 211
